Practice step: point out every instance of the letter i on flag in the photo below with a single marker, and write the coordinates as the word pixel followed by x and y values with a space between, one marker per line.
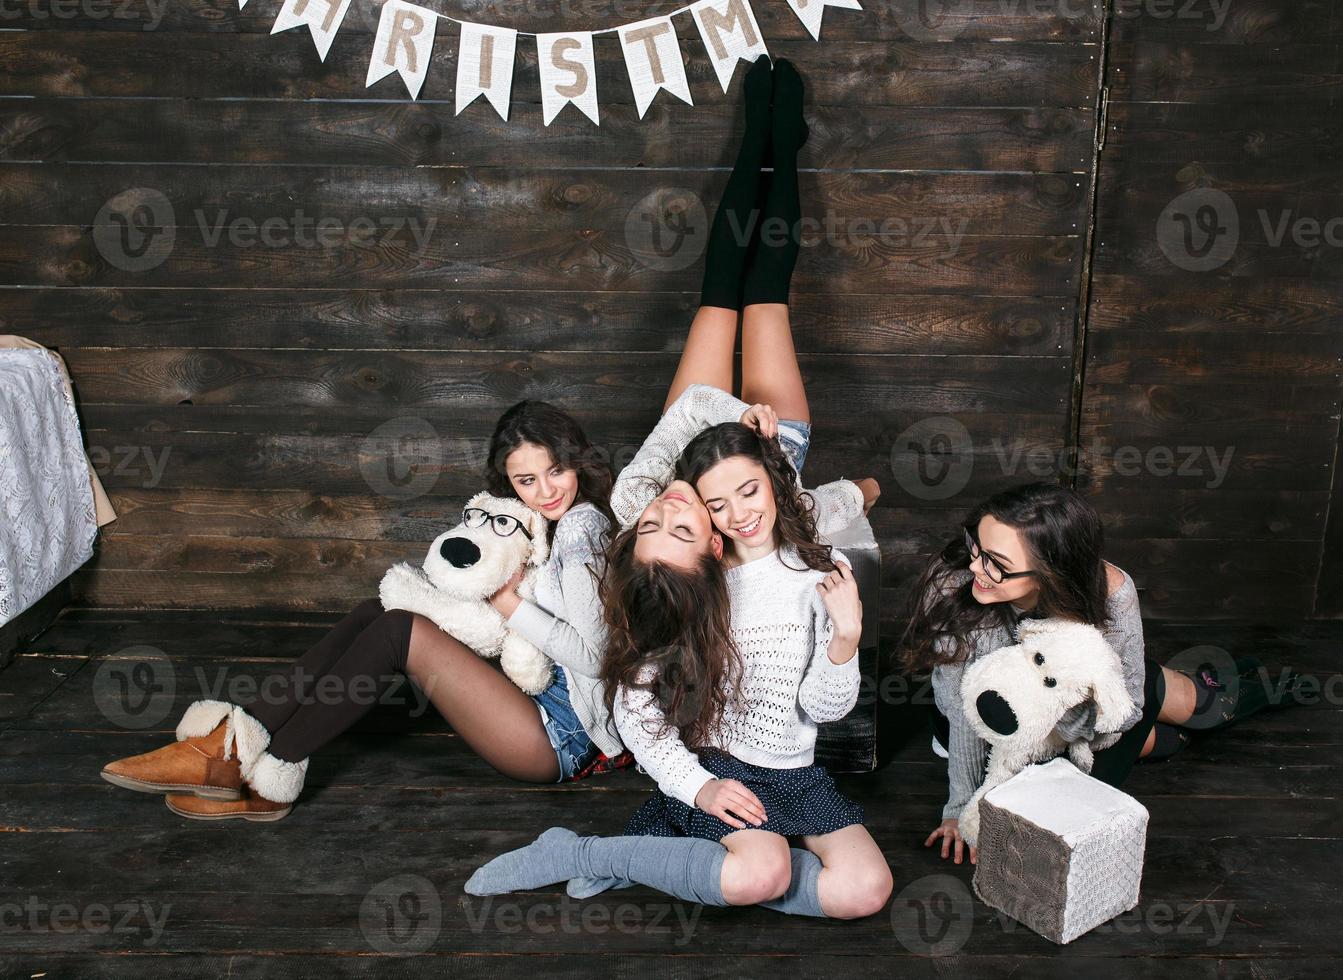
pixel 730 34
pixel 323 18
pixel 568 74
pixel 810 12
pixel 485 66
pixel 653 59
pixel 404 44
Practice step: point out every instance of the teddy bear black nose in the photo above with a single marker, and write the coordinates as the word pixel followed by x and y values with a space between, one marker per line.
pixel 459 552
pixel 996 712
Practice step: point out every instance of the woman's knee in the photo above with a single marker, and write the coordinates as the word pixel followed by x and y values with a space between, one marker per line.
pixel 761 877
pixel 866 890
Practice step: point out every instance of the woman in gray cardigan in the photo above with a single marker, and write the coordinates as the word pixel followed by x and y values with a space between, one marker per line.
pixel 1036 551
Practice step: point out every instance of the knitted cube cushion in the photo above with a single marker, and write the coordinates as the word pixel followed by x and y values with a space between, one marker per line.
pixel 1059 851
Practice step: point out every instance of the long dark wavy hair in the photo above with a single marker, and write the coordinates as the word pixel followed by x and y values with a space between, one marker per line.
pixel 796 521
pixel 669 633
pixel 1065 540
pixel 542 424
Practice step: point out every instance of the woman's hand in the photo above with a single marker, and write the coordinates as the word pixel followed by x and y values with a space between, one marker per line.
pixel 729 800
pixel 839 593
pixel 507 600
pixel 949 831
pixel 871 491
pixel 762 419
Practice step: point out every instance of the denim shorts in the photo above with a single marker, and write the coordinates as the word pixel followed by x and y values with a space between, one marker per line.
pixel 573 749
pixel 795 438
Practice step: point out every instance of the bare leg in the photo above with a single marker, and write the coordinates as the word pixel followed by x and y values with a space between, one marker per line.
pixel 757 867
pixel 500 723
pixel 855 880
pixel 769 371
pixel 707 358
pixel 1177 706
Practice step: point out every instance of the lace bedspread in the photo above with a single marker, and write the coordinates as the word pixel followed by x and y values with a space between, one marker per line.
pixel 47 523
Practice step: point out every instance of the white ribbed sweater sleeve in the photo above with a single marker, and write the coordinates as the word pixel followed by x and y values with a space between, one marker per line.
pixel 836 505
pixel 665 758
pixel 654 465
pixel 829 690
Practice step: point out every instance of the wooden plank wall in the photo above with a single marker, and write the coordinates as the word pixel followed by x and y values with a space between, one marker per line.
pixel 1221 117
pixel 277 423
pixel 248 402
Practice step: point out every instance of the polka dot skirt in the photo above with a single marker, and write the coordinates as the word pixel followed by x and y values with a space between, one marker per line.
pixel 796 801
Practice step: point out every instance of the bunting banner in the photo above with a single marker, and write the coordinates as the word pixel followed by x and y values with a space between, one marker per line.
pixel 566 60
pixel 485 66
pixel 568 66
pixel 730 34
pixel 323 18
pixel 653 60
pixel 810 12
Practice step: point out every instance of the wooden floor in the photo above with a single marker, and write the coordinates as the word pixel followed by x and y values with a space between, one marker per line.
pixel 1243 878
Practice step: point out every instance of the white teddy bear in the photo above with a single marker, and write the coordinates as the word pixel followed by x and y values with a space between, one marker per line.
pixel 464 568
pixel 1014 697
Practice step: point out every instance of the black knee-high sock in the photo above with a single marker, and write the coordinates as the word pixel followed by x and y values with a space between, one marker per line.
pixel 282 694
pixel 779 235
pixel 346 690
pixel 737 215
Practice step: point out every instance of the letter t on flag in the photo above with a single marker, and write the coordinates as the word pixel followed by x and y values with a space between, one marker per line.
pixel 323 18
pixel 730 34
pixel 404 44
pixel 653 59
pixel 485 66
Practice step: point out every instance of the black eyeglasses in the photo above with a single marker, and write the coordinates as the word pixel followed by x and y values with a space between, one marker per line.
pixel 991 568
pixel 501 524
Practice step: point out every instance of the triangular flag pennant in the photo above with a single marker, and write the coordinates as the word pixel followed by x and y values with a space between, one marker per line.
pixel 653 59
pixel 404 44
pixel 485 66
pixel 730 34
pixel 323 18
pixel 241 4
pixel 568 74
pixel 810 12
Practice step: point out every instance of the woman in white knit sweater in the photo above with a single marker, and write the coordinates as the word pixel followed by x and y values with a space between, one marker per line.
pixel 732 631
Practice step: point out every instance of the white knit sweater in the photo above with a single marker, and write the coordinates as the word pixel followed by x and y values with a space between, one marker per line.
pixel 789 683
pixel 837 504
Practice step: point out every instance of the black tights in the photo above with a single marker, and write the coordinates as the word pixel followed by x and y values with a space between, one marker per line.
pixel 335 683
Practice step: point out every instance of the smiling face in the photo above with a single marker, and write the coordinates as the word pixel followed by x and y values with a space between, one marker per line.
pixel 1003 544
pixel 539 482
pixel 675 528
pixel 740 499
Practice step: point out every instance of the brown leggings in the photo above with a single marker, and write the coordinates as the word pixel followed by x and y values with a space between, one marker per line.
pixel 336 682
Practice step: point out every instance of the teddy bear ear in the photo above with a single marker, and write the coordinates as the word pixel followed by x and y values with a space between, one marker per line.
pixel 538 528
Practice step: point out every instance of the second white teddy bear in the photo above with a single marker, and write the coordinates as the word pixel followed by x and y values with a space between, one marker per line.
pixel 1014 697
pixel 464 568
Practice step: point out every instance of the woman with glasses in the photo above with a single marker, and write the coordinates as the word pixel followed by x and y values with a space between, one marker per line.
pixel 1036 551
pixel 249 762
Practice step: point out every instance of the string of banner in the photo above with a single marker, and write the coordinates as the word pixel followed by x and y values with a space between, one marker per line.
pixel 405 40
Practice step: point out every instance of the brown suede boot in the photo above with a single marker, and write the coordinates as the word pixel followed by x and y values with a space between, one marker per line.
pixel 250 807
pixel 193 765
